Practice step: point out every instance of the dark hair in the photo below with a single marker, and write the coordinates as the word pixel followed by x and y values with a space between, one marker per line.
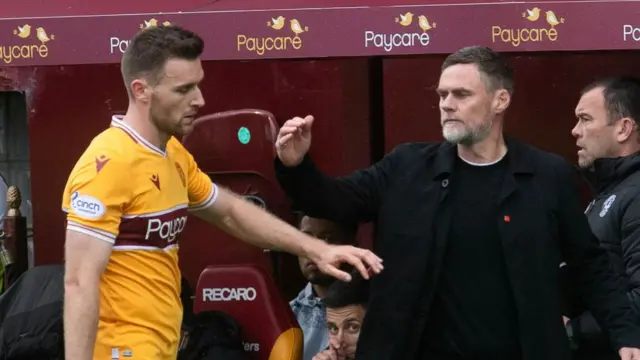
pixel 621 97
pixel 341 294
pixel 151 48
pixel 348 229
pixel 498 73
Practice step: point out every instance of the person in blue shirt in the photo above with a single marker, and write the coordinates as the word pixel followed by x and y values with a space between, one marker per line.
pixel 308 306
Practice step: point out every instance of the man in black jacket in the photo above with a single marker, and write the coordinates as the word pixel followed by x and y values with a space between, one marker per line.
pixel 471 232
pixel 607 135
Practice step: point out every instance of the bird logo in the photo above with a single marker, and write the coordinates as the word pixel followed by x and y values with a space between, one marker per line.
pixel 23 31
pixel 533 15
pixel 297 28
pixel 41 34
pixel 153 22
pixel 424 24
pixel 277 23
pixel 552 19
pixel 405 19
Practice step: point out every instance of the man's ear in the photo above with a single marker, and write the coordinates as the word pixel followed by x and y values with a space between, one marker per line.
pixel 140 90
pixel 502 99
pixel 625 129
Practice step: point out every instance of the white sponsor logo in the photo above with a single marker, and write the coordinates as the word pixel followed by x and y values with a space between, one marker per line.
pixel 229 294
pixel 251 347
pixel 118 45
pixel 607 204
pixel 630 33
pixel 87 206
pixel 167 230
pixel 394 40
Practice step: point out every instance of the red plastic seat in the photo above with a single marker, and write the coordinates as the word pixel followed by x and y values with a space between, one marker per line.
pixel 243 164
pixel 248 294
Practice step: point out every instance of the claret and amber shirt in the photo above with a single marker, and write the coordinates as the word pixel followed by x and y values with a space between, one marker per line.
pixel 127 192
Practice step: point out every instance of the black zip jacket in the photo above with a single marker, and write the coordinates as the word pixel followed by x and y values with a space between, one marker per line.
pixel 404 194
pixel 614 216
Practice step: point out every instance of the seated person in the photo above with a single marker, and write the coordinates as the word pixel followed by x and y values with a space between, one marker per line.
pixel 307 306
pixel 346 305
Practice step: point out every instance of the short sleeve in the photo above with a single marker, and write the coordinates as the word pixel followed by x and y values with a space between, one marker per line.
pixel 202 191
pixel 96 194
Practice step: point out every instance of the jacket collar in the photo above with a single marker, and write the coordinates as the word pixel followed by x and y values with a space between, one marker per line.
pixel 518 154
pixel 608 171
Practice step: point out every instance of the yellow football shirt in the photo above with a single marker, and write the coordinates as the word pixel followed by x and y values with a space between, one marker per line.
pixel 125 191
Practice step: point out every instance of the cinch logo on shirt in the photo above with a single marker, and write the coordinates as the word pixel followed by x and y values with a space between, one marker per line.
pixel 168 230
pixel 86 206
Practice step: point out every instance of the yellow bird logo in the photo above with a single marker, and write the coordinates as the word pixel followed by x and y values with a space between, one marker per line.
pixel 552 19
pixel 41 34
pixel 23 31
pixel 424 24
pixel 149 23
pixel 405 19
pixel 277 23
pixel 297 28
pixel 532 15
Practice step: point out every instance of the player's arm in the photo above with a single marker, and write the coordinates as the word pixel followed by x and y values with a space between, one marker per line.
pixel 85 260
pixel 94 199
pixel 247 222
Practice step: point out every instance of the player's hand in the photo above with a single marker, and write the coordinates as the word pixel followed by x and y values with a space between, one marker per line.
pixel 328 354
pixel 328 258
pixel 294 140
pixel 629 353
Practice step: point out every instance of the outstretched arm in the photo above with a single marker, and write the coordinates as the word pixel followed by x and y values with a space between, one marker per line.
pixel 249 223
pixel 353 198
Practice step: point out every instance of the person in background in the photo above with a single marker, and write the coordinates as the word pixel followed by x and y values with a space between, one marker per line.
pixel 471 229
pixel 308 306
pixel 346 305
pixel 608 140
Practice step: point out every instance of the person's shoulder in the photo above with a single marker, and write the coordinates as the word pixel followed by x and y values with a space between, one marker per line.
pixel 111 146
pixel 420 149
pixel 417 147
pixel 178 150
pixel 175 145
pixel 543 160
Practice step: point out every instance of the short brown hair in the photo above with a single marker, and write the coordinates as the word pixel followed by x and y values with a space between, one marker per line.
pixel 151 48
pixel 621 97
pixel 496 70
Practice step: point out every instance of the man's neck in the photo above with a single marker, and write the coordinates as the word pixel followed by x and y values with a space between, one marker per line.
pixel 490 150
pixel 319 290
pixel 138 120
pixel 628 149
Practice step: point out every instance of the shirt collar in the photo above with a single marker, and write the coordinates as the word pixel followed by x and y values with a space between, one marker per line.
pixel 307 297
